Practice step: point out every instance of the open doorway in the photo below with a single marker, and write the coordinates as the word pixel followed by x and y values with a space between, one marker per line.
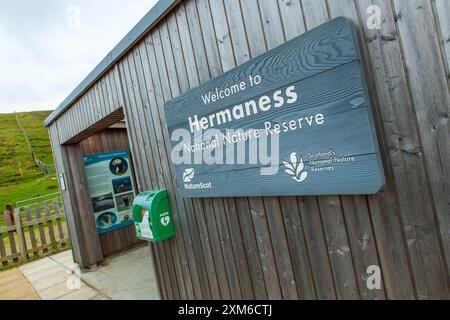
pixel 121 191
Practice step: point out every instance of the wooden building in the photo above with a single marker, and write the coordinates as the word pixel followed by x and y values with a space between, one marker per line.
pixel 315 247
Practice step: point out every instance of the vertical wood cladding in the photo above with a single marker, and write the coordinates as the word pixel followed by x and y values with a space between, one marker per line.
pixel 293 247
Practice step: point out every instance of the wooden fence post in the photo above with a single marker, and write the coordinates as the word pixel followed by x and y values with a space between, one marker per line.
pixel 20 236
pixel 12 241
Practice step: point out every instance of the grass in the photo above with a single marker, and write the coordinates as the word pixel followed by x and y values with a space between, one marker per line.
pixel 20 179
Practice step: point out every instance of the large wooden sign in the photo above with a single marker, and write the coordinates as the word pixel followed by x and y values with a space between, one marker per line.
pixel 296 120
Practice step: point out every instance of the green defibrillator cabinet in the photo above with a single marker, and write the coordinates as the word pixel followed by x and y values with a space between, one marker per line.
pixel 152 216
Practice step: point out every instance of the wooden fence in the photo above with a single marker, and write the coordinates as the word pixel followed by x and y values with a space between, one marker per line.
pixel 32 232
pixel 45 168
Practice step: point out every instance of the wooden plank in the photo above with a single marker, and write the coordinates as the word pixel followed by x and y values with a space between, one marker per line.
pixel 297 248
pixel 48 248
pixel 292 19
pixel 213 237
pixel 281 248
pixel 357 220
pixel 180 258
pixel 122 95
pixel 129 120
pixel 78 113
pixel 169 88
pixel 84 214
pixel 255 33
pixel 430 252
pixel 182 77
pixel 84 115
pixel 106 97
pixel 98 100
pixel 251 249
pixel 9 259
pixel 12 241
pixel 2 250
pixel 256 44
pixel 214 290
pixel 89 111
pixel 338 247
pixel 37 212
pixel 235 233
pixel 241 54
pixel 179 255
pixel 171 282
pixel 194 66
pixel 20 236
pixel 31 229
pixel 51 230
pixel 402 142
pixel 201 74
pixel 362 243
pixel 41 220
pixel 7 229
pixel 276 17
pixel 266 252
pixel 187 78
pixel 58 220
pixel 235 50
pixel 209 38
pixel 271 22
pixel 226 244
pixel 443 16
pixel 162 271
pixel 317 247
pixel 66 195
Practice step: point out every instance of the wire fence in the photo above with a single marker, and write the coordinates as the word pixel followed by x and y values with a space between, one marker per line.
pixel 45 168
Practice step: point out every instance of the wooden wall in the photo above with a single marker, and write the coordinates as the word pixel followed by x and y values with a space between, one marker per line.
pixel 295 247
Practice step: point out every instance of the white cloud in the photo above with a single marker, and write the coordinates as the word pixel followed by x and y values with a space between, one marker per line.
pixel 45 53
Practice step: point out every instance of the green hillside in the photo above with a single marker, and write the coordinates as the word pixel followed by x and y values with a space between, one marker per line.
pixel 19 177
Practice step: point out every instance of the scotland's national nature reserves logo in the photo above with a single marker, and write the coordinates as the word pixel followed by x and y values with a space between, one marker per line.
pixel 295 167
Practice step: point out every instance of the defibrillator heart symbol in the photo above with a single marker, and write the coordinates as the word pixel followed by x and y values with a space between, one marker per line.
pixel 165 221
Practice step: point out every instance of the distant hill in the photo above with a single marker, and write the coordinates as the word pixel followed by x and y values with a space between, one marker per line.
pixel 19 177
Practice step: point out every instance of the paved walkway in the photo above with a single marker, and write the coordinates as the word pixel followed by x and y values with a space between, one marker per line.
pixel 57 278
pixel 14 286
pixel 126 276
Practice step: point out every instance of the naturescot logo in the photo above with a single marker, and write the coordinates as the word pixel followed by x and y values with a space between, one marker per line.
pixel 295 167
pixel 188 176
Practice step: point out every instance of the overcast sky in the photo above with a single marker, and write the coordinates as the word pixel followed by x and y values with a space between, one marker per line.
pixel 47 47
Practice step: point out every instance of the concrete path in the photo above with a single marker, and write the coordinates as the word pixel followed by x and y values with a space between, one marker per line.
pixel 126 276
pixel 14 286
pixel 58 278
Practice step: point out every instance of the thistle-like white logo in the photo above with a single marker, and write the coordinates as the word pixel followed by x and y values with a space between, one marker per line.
pixel 295 167
pixel 188 175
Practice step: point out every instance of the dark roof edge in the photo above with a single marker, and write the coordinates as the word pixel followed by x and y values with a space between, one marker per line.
pixel 161 8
